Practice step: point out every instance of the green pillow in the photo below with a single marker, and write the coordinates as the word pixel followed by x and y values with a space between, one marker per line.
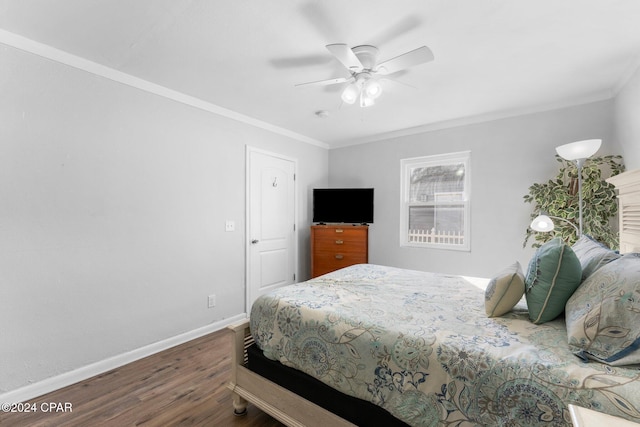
pixel 553 275
pixel 603 315
pixel 504 291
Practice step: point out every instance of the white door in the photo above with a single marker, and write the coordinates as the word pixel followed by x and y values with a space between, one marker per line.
pixel 271 246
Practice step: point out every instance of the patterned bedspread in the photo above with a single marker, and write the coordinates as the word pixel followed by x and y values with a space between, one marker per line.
pixel 421 346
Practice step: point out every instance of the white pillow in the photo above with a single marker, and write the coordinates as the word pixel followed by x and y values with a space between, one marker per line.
pixel 504 291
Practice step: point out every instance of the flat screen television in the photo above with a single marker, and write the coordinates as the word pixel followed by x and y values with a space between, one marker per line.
pixel 343 205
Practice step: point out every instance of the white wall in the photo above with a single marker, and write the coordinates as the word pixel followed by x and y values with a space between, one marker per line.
pixel 627 121
pixel 112 210
pixel 507 156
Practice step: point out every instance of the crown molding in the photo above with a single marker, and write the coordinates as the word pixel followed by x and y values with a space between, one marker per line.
pixel 631 71
pixel 470 120
pixel 45 51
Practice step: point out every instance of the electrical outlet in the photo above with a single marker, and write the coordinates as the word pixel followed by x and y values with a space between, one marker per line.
pixel 211 300
pixel 230 225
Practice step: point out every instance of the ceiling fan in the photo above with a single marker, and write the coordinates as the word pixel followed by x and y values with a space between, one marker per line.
pixel 365 71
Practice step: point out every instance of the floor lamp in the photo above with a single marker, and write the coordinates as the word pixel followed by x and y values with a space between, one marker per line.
pixel 578 152
pixel 544 223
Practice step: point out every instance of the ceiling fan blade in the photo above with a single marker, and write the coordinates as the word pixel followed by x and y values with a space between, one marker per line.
pixel 398 84
pixel 320 18
pixel 415 57
pixel 325 82
pixel 300 61
pixel 345 55
pixel 396 30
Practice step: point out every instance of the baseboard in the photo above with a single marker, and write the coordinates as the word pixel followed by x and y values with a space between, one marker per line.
pixel 48 385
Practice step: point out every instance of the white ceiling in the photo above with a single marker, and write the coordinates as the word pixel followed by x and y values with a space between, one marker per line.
pixel 493 58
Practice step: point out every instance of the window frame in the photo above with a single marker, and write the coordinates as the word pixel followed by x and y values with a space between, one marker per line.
pixel 406 165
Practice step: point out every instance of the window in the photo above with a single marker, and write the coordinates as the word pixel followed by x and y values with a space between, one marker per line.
pixel 435 201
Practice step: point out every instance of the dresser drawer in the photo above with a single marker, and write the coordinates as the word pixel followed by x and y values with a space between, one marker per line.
pixel 325 262
pixel 342 233
pixel 338 244
pixel 334 247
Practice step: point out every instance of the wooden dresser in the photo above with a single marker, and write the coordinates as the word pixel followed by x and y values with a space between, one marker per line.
pixel 337 246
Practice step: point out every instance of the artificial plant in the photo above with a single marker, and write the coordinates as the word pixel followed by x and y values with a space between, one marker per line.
pixel 559 197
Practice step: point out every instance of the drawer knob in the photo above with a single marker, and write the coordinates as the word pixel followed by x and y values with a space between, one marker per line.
pixel 339 256
pixel 339 230
pixel 339 242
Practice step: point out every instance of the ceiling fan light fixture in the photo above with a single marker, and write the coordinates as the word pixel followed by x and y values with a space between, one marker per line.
pixel 365 100
pixel 365 72
pixel 350 93
pixel 373 88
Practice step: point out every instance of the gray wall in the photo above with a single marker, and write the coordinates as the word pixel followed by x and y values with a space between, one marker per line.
pixel 507 156
pixel 114 202
pixel 112 213
pixel 627 121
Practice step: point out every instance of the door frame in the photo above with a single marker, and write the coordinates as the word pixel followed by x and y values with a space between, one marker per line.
pixel 247 245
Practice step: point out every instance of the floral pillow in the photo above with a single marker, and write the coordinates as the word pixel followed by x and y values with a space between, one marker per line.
pixel 504 291
pixel 592 255
pixel 603 315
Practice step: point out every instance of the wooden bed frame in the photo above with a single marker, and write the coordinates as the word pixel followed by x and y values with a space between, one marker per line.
pixel 282 404
pixel 293 410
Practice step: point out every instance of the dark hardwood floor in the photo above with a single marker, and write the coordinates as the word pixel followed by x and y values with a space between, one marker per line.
pixel 182 386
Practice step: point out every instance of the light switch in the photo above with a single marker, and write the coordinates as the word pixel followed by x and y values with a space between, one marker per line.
pixel 230 225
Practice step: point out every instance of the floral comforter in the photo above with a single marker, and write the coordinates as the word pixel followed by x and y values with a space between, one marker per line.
pixel 421 346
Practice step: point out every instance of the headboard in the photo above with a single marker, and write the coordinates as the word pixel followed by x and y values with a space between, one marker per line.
pixel 628 186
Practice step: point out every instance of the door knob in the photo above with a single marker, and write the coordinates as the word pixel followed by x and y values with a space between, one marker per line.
pixel 254 241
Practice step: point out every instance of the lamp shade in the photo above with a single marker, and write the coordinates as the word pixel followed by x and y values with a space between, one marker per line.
pixel 350 93
pixel 373 88
pixel 365 100
pixel 542 223
pixel 579 149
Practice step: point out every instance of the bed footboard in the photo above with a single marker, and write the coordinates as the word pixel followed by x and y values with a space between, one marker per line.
pixel 241 340
pixel 282 404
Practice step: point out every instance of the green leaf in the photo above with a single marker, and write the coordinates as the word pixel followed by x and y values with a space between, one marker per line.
pixel 558 197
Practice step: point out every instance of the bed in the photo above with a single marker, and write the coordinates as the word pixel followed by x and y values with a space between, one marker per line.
pixel 376 345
